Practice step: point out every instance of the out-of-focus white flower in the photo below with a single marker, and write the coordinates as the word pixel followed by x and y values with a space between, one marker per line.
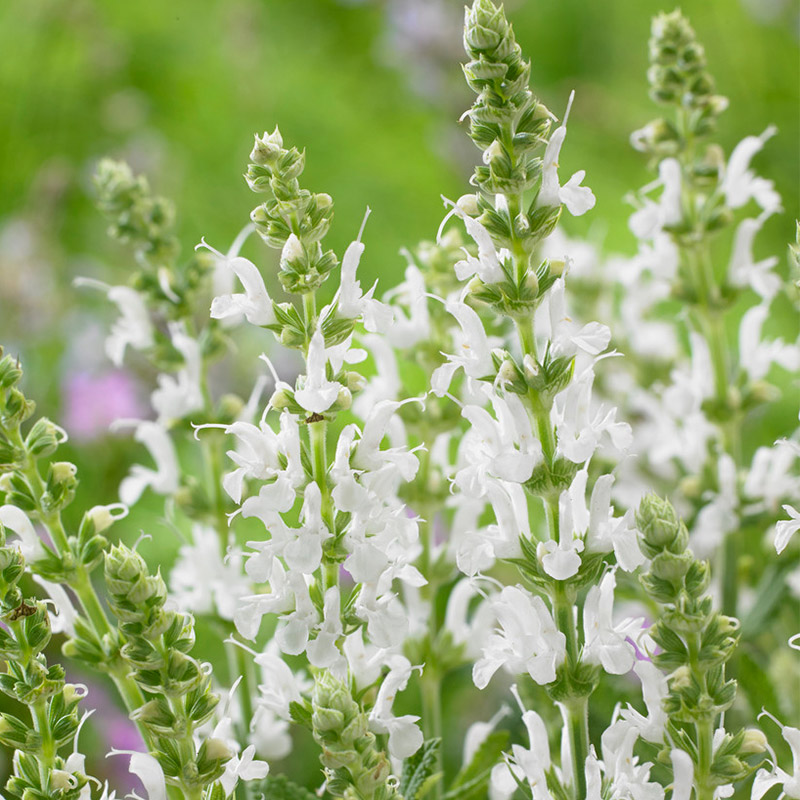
pixel 17 520
pixel 740 183
pixel 786 528
pixel 744 270
pixel 165 478
pixel 181 394
pixel 405 737
pixel 757 356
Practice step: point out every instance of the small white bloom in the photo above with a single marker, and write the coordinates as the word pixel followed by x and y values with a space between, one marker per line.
pixel 180 394
pixel 740 183
pixel 165 478
pixel 243 768
pixel 318 393
pixel 17 520
pixel 786 528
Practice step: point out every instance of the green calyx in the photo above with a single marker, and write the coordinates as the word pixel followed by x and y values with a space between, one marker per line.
pixel 292 219
pixel 354 766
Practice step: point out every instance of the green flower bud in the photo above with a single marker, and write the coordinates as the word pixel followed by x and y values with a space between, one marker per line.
pixel 754 742
pixel 267 148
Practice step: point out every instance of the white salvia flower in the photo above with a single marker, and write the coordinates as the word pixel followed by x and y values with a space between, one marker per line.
pixel 405 737
pixel 270 734
pixel 605 643
pixel 655 689
pixel 648 222
pixel 683 770
pixel 478 732
pixel 790 784
pixel 352 301
pixel 204 580
pixel 165 478
pixel 578 199
pixel 770 479
pixel 757 356
pixel 487 265
pixel 629 778
pixel 244 767
pixel 561 560
pixel 257 456
pixel 474 349
pixel 527 641
pixel 255 304
pixel 133 328
pixel 318 394
pixel 180 394
pixel 64 620
pixel 785 528
pixel 606 532
pixel 579 432
pixel 740 183
pixel 567 337
pixel 744 270
pixel 17 520
pixel 322 651
pixel 408 328
pixel 148 771
pixel 720 516
pixel 529 765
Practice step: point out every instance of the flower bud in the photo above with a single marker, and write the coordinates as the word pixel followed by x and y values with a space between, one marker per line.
pixel 217 750
pixel 103 517
pixel 468 203
pixel 267 148
pixel 60 780
pixel 753 742
pixel 681 678
pixel 281 398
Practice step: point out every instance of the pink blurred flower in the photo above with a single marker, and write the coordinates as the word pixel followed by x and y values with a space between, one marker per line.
pixel 93 402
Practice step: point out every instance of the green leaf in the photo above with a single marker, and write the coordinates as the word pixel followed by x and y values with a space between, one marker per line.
pixel 279 787
pixel 756 684
pixel 418 769
pixel 473 777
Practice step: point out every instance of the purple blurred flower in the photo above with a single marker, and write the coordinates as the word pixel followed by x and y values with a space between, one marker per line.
pixel 93 402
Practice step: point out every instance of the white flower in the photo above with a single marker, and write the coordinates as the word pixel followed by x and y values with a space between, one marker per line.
pixel 474 353
pixel 770 478
pixel 683 771
pixel 405 737
pixel 765 780
pixel 785 528
pixel 629 778
pixel 408 328
pixel 655 689
pixel 318 393
pixel 181 394
pixel 757 356
pixel 244 768
pixel 133 328
pixel 739 182
pixel 165 478
pixel 605 643
pixel 561 560
pixel 255 304
pixel 64 621
pixel 527 640
pixel 322 651
pixel 578 199
pixel 487 265
pixel 720 516
pixel 648 222
pixel 352 301
pixel 148 771
pixel 17 520
pixel 744 270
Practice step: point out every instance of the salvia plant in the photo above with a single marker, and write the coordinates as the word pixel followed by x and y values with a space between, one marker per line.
pixel 459 476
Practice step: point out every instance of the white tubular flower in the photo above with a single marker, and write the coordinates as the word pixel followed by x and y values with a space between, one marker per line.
pixel 740 183
pixel 64 620
pixel 322 651
pixel 607 532
pixel 474 353
pixel 757 356
pixel 17 520
pixel 648 222
pixel 655 689
pixel 148 771
pixel 165 478
pixel 414 325
pixel 279 686
pixel 317 394
pixel 527 640
pixel 579 432
pixel 683 771
pixel 627 776
pixel 790 783
pixel 244 767
pixel 561 560
pixel 785 528
pixel 607 644
pixel 352 301
pixel 744 270
pixel 566 337
pixel 181 394
pixel 578 199
pixel 204 580
pixel 405 737
pixel 255 304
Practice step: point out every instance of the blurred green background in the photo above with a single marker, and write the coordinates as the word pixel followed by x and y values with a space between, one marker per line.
pixel 372 90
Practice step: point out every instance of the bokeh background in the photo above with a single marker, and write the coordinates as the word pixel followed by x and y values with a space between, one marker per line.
pixel 371 88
